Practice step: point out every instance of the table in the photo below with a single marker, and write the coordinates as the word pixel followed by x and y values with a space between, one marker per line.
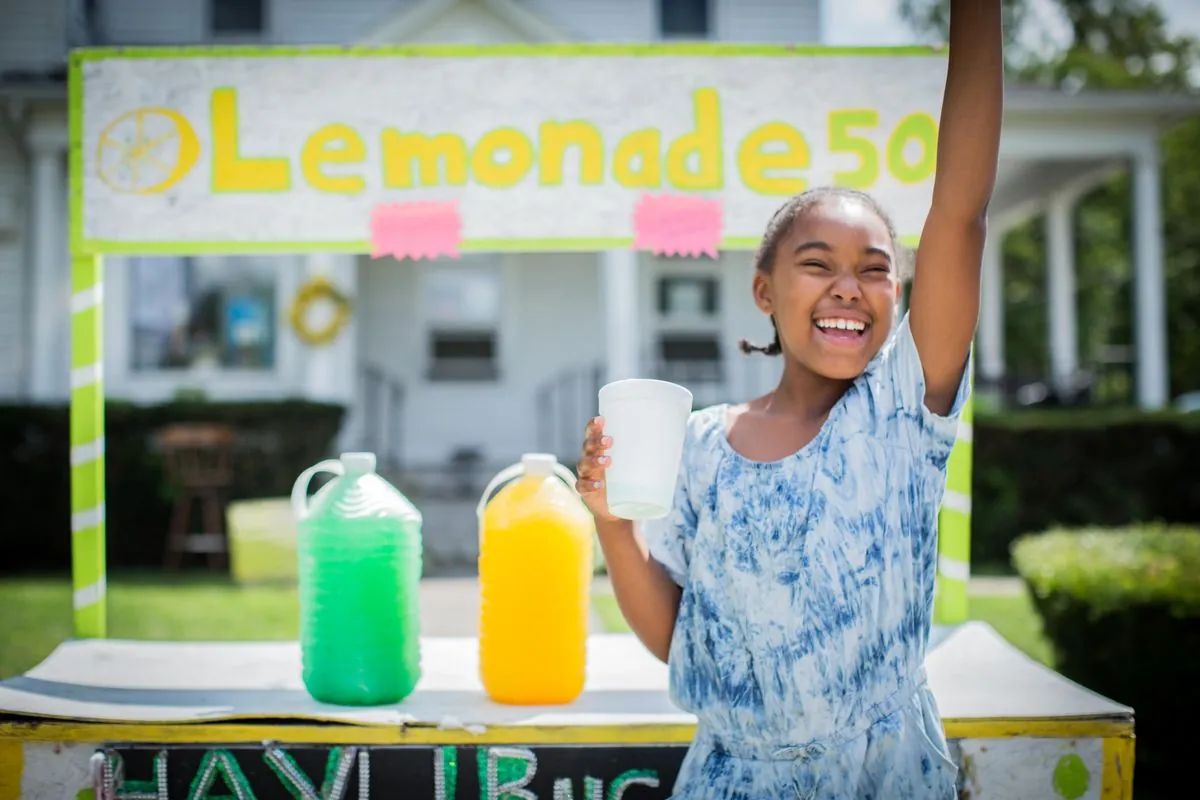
pixel 170 720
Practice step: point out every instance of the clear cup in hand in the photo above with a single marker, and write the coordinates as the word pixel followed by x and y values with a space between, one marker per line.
pixel 646 421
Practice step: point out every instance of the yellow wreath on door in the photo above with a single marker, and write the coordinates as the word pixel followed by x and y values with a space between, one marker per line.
pixel 315 290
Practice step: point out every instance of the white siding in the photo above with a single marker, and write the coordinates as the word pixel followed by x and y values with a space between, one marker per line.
pixel 551 321
pixel 778 21
pixel 32 34
pixel 184 22
pixel 767 21
pixel 468 23
pixel 601 20
pixel 153 22
pixel 323 21
pixel 13 285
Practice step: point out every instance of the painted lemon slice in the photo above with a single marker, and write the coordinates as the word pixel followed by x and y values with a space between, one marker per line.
pixel 146 151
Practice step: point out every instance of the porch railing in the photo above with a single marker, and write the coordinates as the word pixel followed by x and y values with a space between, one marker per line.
pixel 382 428
pixel 565 402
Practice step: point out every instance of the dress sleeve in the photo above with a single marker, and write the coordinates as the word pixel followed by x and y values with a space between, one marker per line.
pixel 670 538
pixel 904 384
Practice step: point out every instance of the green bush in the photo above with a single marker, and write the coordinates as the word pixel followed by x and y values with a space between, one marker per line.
pixel 1121 608
pixel 1036 470
pixel 278 440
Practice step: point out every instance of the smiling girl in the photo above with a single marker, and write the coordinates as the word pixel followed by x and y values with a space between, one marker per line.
pixel 791 588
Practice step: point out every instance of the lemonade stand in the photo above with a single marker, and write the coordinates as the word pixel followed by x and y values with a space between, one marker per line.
pixel 399 152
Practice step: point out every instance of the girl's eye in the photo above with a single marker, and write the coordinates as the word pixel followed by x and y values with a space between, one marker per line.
pixel 815 264
pixel 877 268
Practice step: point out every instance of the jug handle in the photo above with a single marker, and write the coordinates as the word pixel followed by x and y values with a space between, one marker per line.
pixel 503 476
pixel 509 473
pixel 300 487
pixel 566 476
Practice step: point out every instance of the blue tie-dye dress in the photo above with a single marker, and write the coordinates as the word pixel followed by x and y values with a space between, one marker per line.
pixel 807 599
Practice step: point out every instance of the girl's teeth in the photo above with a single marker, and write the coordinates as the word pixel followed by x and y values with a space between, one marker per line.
pixel 841 324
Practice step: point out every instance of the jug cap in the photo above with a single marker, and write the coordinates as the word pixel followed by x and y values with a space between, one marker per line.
pixel 358 462
pixel 538 463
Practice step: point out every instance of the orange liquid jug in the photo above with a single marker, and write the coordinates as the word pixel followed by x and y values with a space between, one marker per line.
pixel 535 578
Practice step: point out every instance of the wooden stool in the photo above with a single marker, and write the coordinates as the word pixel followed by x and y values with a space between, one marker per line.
pixel 199 463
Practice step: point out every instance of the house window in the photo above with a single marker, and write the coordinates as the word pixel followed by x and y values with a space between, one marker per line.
pixel 463 308
pixel 690 358
pixel 237 17
pixel 687 296
pixel 683 19
pixel 190 313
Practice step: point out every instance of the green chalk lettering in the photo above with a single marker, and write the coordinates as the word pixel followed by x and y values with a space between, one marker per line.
pixel 505 772
pixel 632 777
pixel 445 773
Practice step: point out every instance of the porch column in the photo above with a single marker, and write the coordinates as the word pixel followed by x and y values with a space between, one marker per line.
pixel 331 371
pixel 991 310
pixel 1149 285
pixel 1062 322
pixel 50 301
pixel 622 336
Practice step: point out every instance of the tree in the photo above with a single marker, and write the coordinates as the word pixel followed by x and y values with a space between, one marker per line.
pixel 930 19
pixel 1111 44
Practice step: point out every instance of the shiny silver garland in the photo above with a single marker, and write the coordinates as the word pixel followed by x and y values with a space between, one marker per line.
pixel 338 767
pixel 445 772
pixel 222 762
pixel 108 778
pixel 508 758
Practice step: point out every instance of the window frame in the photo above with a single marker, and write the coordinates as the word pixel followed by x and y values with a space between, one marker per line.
pixel 439 371
pixel 664 326
pixel 218 383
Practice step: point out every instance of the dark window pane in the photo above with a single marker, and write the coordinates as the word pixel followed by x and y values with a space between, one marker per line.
pixel 690 359
pixel 690 348
pixel 463 356
pixel 683 17
pixel 237 16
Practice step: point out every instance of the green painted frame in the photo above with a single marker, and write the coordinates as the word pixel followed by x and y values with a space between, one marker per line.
pixel 88 529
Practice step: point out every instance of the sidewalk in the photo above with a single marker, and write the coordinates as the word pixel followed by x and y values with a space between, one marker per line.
pixel 996 585
pixel 450 607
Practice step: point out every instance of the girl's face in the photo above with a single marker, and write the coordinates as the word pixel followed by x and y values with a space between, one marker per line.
pixel 833 288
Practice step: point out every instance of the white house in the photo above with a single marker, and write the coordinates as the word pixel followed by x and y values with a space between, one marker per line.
pixel 500 353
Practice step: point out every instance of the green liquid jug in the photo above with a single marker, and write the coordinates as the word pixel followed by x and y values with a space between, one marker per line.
pixel 359 557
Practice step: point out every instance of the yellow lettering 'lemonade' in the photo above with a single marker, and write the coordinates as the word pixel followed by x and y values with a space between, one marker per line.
pixel 535 577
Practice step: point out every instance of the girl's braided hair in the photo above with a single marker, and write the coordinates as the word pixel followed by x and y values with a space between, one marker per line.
pixel 785 218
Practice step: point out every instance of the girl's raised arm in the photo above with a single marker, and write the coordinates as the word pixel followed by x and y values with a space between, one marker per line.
pixel 944 303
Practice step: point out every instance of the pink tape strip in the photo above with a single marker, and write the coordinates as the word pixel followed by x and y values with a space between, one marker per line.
pixel 677 225
pixel 416 230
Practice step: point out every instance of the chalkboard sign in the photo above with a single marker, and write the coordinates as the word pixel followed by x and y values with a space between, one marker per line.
pixel 497 772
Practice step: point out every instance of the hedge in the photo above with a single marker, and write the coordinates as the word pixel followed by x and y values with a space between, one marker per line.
pixel 1121 609
pixel 278 441
pixel 1076 468
pixel 1032 471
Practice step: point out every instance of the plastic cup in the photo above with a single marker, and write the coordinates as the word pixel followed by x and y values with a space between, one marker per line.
pixel 647 420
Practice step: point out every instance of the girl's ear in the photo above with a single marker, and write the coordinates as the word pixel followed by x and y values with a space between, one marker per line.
pixel 761 289
pixel 899 291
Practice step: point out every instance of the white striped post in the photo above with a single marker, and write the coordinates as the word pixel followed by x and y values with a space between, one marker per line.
pixel 954 527
pixel 87 447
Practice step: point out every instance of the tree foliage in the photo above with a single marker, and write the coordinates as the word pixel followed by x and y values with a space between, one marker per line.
pixel 1109 44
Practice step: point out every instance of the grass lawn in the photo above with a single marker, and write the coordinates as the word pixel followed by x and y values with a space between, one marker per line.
pixel 1012 616
pixel 37 614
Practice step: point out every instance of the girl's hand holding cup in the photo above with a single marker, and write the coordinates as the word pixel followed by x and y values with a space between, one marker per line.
pixel 648 421
pixel 593 464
